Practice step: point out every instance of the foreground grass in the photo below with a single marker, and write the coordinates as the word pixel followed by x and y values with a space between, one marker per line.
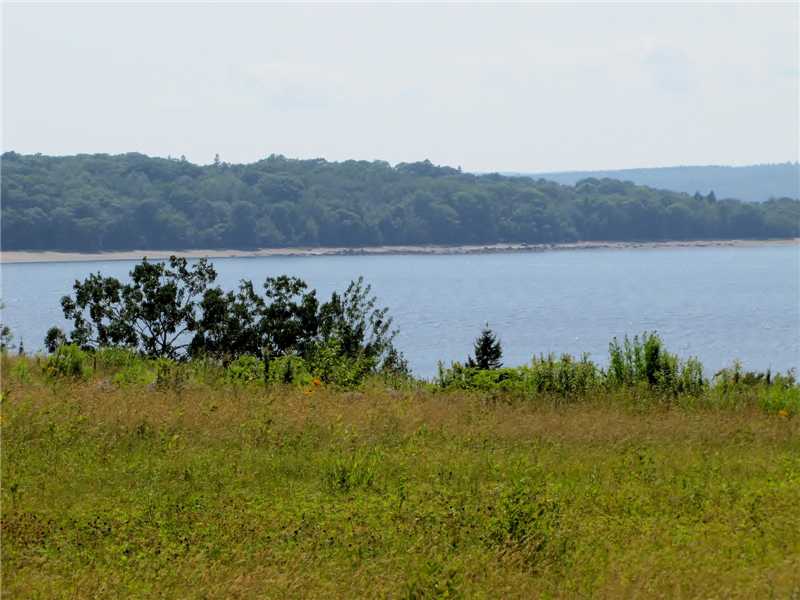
pixel 214 491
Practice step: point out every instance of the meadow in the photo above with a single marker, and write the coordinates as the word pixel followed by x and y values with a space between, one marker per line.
pixel 152 481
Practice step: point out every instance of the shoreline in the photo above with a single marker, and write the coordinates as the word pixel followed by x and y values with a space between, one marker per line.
pixel 15 256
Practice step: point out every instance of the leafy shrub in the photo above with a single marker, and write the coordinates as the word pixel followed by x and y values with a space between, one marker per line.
pixel 138 372
pixel 332 365
pixel 67 361
pixel 563 377
pixel 244 369
pixel 774 393
pixel 457 376
pixel 288 370
pixel 116 357
pixel 646 362
pixel 545 375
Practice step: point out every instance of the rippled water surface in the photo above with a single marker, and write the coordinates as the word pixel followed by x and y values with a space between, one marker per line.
pixel 714 303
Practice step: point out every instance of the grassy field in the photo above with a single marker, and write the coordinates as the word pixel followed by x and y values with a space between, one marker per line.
pixel 220 491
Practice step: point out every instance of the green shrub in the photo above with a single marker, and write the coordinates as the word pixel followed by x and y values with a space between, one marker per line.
pixel 116 358
pixel 646 362
pixel 288 370
pixel 245 369
pixel 563 377
pixel 774 393
pixel 67 361
pixel 328 362
pixel 138 372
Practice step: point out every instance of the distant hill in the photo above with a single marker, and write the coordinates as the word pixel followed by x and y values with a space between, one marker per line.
pixel 130 201
pixel 754 183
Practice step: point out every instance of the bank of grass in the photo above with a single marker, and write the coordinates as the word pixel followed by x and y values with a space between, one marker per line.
pixel 198 488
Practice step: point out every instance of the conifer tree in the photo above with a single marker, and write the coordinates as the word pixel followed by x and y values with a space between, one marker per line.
pixel 487 351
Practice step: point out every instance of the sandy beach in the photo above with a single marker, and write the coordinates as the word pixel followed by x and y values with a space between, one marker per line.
pixel 38 257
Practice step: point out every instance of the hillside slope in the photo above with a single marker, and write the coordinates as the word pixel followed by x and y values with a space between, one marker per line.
pixel 100 202
pixel 754 183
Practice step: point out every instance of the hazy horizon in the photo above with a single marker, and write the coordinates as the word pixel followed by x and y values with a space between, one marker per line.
pixel 525 88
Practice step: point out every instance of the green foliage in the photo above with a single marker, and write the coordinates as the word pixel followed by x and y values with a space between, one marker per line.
pixel 754 183
pixel 137 373
pixel 245 369
pixel 113 358
pixel 287 370
pixel 68 361
pixel 99 202
pixel 776 393
pixel 153 313
pixel 53 339
pixel 487 351
pixel 564 376
pixel 345 339
pixel 646 362
pixel 361 332
pixel 333 365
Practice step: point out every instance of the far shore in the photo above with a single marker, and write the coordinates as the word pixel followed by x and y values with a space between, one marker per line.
pixel 42 257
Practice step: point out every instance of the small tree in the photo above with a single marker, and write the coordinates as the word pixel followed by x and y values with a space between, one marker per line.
pixel 153 312
pixel 361 329
pixel 54 338
pixel 487 351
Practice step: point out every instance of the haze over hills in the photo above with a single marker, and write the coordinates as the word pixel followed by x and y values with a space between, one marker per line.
pixel 755 183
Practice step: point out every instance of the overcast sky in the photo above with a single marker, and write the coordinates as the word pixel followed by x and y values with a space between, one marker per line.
pixel 505 88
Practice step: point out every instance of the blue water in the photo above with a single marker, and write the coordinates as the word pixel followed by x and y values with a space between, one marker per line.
pixel 715 303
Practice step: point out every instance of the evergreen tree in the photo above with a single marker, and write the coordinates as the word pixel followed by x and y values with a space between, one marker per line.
pixel 487 351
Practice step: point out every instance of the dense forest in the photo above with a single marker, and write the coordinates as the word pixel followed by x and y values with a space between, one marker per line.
pixel 131 201
pixel 753 182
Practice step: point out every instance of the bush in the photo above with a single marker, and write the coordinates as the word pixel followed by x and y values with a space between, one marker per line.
pixel 646 362
pixel 67 361
pixel 563 377
pixel 138 372
pixel 116 358
pixel 288 370
pixel 546 375
pixel 328 362
pixel 244 369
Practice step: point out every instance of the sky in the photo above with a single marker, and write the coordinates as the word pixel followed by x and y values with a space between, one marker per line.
pixel 535 87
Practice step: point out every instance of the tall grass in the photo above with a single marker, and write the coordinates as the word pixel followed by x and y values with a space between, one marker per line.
pixel 208 485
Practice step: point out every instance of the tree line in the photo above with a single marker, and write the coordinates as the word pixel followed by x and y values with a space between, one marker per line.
pixel 132 201
pixel 172 310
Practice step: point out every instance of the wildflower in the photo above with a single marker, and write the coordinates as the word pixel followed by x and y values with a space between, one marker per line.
pixel 307 392
pixel 783 413
pixel 317 381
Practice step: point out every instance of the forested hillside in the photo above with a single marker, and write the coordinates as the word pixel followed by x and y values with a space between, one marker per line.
pixel 754 182
pixel 131 201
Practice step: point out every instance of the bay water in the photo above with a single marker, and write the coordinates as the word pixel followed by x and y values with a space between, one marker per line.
pixel 715 303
